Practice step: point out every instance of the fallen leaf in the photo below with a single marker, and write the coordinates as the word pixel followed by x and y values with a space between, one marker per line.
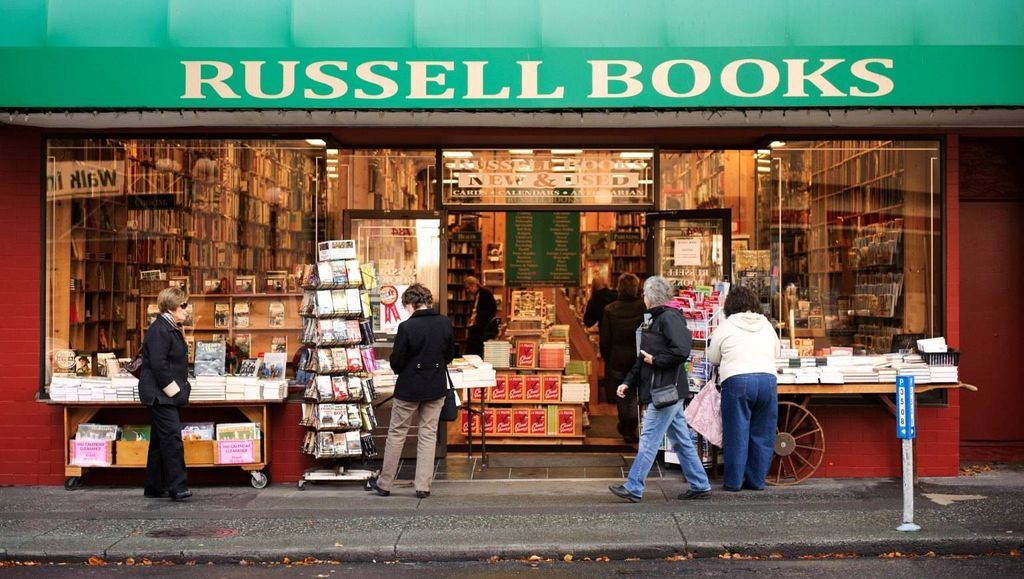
pixel 567 558
pixel 286 561
pixel 725 555
pixel 930 554
pixel 1015 553
pixel 95 562
pixel 129 561
pixel 602 559
pixel 535 558
pixel 339 544
pixel 685 557
pixel 775 556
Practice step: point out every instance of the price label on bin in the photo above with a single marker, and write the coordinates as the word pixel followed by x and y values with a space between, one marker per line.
pixel 906 427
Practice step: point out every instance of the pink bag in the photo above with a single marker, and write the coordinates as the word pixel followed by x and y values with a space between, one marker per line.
pixel 704 413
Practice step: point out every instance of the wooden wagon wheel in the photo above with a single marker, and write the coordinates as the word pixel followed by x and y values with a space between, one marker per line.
pixel 799 446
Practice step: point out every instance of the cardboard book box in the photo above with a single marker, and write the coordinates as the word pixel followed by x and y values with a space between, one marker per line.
pixel 131 452
pixel 236 451
pixel 91 452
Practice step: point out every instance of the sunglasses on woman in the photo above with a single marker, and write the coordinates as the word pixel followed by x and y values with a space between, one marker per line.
pixel 183 305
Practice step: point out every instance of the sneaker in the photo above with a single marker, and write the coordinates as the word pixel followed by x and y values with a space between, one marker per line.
pixel 621 492
pixel 692 495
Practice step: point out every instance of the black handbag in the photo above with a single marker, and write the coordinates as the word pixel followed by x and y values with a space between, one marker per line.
pixel 134 367
pixel 450 411
pixel 664 396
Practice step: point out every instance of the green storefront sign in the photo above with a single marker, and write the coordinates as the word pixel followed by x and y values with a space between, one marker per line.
pixel 491 55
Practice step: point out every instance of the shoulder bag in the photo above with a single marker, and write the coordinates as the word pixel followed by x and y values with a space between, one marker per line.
pixel 450 410
pixel 704 413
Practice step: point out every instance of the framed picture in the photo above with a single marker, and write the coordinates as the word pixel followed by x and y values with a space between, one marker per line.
pixel 179 282
pixel 526 353
pixel 245 284
pixel 494 277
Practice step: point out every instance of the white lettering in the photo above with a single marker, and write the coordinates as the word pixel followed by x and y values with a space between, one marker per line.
pixel 419 79
pixel 860 70
pixel 388 87
pixel 797 77
pixel 529 75
pixel 194 80
pixel 769 78
pixel 701 78
pixel 600 78
pixel 315 72
pixel 475 82
pixel 254 78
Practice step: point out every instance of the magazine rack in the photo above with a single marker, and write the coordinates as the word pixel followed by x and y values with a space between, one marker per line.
pixel 337 329
pixel 76 413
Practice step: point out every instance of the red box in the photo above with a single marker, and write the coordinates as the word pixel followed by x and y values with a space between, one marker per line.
pixel 515 388
pixel 566 421
pixel 500 391
pixel 465 423
pixel 489 421
pixel 521 421
pixel 476 394
pixel 503 421
pixel 538 422
pixel 532 388
pixel 552 384
pixel 526 354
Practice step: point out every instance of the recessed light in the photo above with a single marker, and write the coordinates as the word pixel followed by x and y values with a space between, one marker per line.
pixel 317 142
pixel 457 154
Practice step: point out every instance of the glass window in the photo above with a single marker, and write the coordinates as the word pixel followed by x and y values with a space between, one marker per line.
pixel 854 229
pixel 383 179
pixel 547 177
pixel 226 220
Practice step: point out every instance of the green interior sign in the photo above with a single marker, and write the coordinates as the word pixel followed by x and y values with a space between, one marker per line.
pixel 542 248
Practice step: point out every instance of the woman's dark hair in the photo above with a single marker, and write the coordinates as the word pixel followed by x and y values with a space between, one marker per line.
pixel 741 299
pixel 418 295
pixel 629 285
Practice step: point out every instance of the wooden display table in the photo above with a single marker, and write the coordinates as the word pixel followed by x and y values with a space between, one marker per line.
pixel 80 412
pixel 800 440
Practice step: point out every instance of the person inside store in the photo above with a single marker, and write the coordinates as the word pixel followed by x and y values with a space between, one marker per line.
pixel 483 325
pixel 164 388
pixel 423 348
pixel 600 296
pixel 745 348
pixel 664 349
pixel 618 327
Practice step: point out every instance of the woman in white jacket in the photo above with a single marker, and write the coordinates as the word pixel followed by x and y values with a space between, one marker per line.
pixel 745 347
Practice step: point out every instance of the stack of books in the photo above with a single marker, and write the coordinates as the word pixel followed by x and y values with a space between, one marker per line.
pixel 553 355
pixel 64 388
pixel 208 388
pixel 831 375
pixel 273 389
pixel 497 353
pixel 944 374
pixel 126 388
pixel 96 389
pixel 575 390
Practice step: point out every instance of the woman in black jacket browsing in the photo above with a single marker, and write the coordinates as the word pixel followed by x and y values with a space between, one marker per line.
pixel 423 348
pixel 164 387
pixel 664 349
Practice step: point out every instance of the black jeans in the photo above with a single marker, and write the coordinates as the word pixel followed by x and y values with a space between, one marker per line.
pixel 165 465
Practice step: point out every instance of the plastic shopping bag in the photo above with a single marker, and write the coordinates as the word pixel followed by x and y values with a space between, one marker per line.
pixel 704 413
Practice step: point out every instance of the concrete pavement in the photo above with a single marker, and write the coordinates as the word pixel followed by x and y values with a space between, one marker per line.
pixel 465 521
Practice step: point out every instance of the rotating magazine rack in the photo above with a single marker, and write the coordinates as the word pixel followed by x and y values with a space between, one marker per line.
pixel 339 361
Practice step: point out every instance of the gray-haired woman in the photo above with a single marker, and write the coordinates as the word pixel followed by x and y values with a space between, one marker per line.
pixel 664 348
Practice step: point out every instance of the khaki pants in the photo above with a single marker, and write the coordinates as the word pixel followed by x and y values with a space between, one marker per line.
pixel 402 413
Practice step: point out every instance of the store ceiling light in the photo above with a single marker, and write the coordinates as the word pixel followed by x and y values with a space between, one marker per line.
pixel 764 169
pixel 636 154
pixel 457 154
pixel 566 151
pixel 332 152
pixel 317 142
pixel 520 151
pixel 332 161
pixel 776 144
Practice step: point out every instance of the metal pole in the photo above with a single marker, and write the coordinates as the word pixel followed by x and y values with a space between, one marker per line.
pixel 908 488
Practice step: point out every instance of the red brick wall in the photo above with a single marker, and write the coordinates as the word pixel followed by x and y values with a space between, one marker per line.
pixel 31 449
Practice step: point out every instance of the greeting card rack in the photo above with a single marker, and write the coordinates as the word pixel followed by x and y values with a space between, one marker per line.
pixel 338 335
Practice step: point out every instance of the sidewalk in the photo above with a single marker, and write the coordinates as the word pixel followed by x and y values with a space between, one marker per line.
pixel 465 520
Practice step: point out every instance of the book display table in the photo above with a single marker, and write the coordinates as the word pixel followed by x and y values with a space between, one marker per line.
pixel 198 453
pixel 800 440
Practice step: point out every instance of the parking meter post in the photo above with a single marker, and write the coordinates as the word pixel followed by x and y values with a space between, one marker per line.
pixel 906 430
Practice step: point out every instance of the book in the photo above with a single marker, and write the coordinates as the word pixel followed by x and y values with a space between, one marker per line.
pixel 83 365
pixel 102 363
pixel 213 286
pixel 136 432
pixel 197 431
pixel 190 315
pixel 324 303
pixel 210 357
pixel 221 310
pixel 339 273
pixel 276 282
pixel 240 317
pixel 245 284
pixel 243 344
pixel 238 431
pixel 279 344
pixel 276 314
pixel 89 431
pixel 249 367
pixel 274 365
pixel 368 273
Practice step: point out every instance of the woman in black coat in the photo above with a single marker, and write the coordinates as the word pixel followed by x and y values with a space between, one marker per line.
pixel 618 349
pixel 664 348
pixel 164 387
pixel 423 348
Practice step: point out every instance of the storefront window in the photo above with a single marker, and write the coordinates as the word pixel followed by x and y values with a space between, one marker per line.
pixel 855 230
pixel 384 179
pixel 226 220
pixel 547 177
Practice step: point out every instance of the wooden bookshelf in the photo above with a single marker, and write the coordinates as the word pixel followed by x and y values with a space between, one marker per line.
pixel 465 247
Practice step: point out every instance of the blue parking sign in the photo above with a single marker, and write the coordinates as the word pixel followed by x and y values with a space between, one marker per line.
pixel 906 427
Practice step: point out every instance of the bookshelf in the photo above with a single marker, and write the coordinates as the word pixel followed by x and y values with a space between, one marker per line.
pixel 465 245
pixel 628 255
pixel 195 209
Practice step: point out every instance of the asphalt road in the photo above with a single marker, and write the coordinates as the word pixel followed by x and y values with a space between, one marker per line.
pixel 989 567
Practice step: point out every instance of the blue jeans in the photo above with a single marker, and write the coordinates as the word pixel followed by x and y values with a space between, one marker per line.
pixel 750 409
pixel 656 424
